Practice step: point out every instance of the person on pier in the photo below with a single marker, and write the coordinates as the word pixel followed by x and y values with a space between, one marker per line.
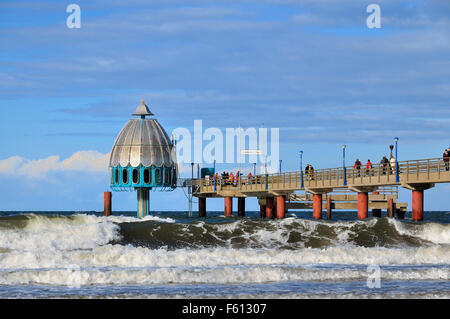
pixel 250 178
pixel 224 178
pixel 357 166
pixel 392 161
pixel 231 178
pixel 446 158
pixel 369 167
pixel 309 172
pixel 384 163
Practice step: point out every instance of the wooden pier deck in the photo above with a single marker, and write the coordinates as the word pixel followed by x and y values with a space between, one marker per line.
pixel 415 175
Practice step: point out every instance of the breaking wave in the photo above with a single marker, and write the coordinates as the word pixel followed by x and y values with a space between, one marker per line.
pixel 91 250
pixel 290 233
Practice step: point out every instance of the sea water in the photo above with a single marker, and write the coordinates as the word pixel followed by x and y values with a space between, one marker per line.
pixel 172 255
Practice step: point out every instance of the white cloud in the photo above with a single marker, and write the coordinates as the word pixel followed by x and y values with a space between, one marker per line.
pixel 10 164
pixel 86 160
pixel 83 161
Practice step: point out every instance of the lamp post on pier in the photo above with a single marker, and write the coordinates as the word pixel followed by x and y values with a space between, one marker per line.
pixel 301 169
pixel 266 182
pixel 214 175
pixel 344 170
pixel 397 177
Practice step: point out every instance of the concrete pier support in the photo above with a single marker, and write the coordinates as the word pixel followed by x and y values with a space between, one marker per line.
pixel 269 207
pixel 281 208
pixel 417 205
pixel 241 206
pixel 202 207
pixel 363 205
pixel 376 212
pixel 417 199
pixel 317 206
pixel 262 211
pixel 107 203
pixel 228 201
pixel 143 199
pixel 391 208
pixel 329 205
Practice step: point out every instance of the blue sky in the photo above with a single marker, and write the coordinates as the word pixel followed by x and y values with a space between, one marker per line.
pixel 311 68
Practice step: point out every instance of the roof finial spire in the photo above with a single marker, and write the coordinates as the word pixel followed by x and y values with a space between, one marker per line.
pixel 142 110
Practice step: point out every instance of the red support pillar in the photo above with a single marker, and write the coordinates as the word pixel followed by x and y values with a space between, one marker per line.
pixel 269 207
pixel 241 206
pixel 417 205
pixel 363 205
pixel 202 207
pixel 329 203
pixel 107 203
pixel 391 208
pixel 281 208
pixel 262 211
pixel 317 206
pixel 228 206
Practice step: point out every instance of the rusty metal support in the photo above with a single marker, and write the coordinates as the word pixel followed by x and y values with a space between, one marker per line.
pixel 329 207
pixel 241 206
pixel 317 206
pixel 417 205
pixel 363 205
pixel 391 208
pixel 228 201
pixel 107 203
pixel 281 208
pixel 202 207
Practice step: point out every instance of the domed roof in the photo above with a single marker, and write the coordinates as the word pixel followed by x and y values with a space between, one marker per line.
pixel 142 141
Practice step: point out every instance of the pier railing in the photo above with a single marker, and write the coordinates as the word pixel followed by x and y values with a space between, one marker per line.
pixel 434 170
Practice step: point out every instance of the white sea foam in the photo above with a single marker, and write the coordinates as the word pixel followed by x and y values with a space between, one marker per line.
pixel 130 256
pixel 433 232
pixel 205 275
pixel 59 233
pixel 128 219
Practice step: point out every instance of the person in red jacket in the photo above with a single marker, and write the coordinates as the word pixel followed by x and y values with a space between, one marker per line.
pixel 369 167
pixel 231 178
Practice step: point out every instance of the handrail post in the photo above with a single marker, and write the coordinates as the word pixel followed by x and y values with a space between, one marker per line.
pixel 439 169
pixel 418 167
pixel 407 170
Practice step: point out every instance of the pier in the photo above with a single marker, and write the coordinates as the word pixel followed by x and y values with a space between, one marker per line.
pixel 360 189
